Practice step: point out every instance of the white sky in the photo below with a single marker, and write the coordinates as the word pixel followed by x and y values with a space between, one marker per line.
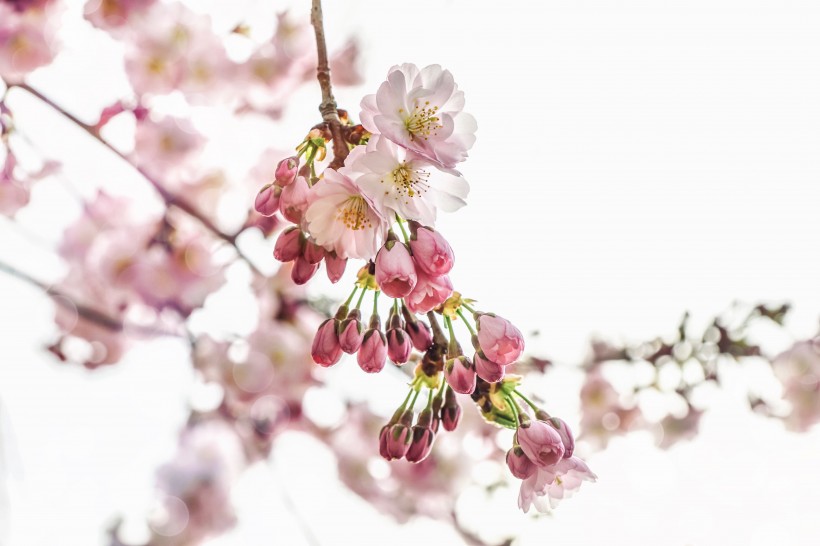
pixel 634 159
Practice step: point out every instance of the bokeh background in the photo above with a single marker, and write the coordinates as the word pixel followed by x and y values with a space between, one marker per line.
pixel 634 160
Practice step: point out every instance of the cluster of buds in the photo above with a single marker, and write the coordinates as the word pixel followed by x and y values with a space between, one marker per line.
pixel 378 203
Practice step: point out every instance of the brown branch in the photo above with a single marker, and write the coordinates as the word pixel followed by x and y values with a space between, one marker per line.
pixel 170 199
pixel 328 107
pixel 88 313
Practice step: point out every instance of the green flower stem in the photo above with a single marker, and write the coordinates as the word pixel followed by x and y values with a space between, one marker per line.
pixel 467 324
pixel 527 400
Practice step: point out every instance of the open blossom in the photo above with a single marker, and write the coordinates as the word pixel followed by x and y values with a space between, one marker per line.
pixel 421 110
pixel 108 14
pixel 406 183
pixel 549 485
pixel 165 144
pixel 342 219
pixel 25 41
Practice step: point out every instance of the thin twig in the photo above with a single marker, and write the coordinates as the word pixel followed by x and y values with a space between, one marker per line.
pixel 328 107
pixel 87 313
pixel 170 199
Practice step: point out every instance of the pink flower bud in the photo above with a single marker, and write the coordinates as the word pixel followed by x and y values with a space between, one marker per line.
pixel 289 245
pixel 429 293
pixel 294 200
pixel 541 443
pixel 335 266
pixel 286 171
pixel 421 444
pixel 267 200
pixel 460 374
pixel 398 438
pixel 450 417
pixel 312 252
pixel 420 335
pixel 351 337
pixel 303 270
pixel 383 441
pixel 395 271
pixel 499 339
pixel 373 351
pixel 486 369
pixel 518 463
pixel 566 435
pixel 398 345
pixel 431 252
pixel 326 350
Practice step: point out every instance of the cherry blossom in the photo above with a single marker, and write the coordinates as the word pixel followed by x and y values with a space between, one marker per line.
pixel 421 110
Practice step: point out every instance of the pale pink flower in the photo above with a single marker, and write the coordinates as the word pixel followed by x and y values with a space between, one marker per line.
pixel 422 111
pixel 500 340
pixel 429 293
pixel 395 270
pixel 109 14
pixel 549 485
pixel 344 65
pixel 25 41
pixel 541 443
pixel 14 195
pixel 165 144
pixel 406 183
pixel 342 219
pixel 798 368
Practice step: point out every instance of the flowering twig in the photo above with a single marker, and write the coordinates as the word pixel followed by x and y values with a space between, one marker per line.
pixel 87 313
pixel 170 199
pixel 328 107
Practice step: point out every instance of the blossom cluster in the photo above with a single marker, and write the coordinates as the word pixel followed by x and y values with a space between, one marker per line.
pixel 398 173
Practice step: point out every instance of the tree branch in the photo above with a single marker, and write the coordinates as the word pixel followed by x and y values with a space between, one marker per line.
pixel 328 107
pixel 170 199
pixel 87 313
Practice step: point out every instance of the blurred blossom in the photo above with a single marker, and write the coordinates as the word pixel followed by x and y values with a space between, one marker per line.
pixel 798 368
pixel 603 414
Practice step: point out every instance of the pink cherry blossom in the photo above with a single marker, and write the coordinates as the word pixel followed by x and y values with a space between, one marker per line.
pixel 286 171
pixel 431 251
pixel 25 41
pixel 421 444
pixel 405 183
pixel 420 334
pixel 567 438
pixel 395 271
pixel 541 443
pixel 165 144
pixel 499 339
pixel 398 345
pixel 422 111
pixel 549 485
pixel 429 293
pixel 342 219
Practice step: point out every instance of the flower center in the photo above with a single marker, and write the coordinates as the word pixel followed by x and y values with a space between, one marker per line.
pixel 408 182
pixel 353 213
pixel 422 121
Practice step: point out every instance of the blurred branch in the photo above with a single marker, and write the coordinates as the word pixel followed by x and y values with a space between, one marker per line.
pixel 170 199
pixel 87 313
pixel 328 107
